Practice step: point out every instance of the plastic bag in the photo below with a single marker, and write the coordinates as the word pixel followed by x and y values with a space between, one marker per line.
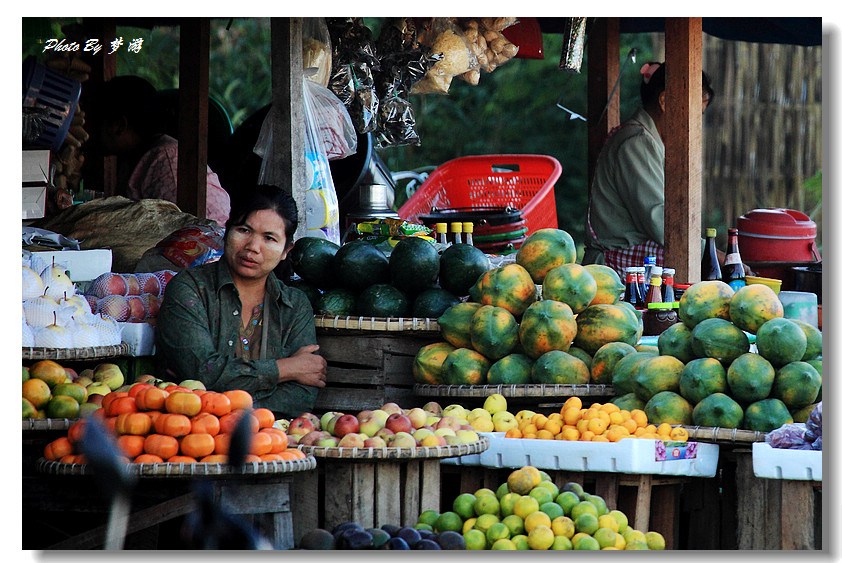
pixel 489 45
pixel 335 133
pixel 788 436
pixel 354 64
pixel 446 37
pixel 315 50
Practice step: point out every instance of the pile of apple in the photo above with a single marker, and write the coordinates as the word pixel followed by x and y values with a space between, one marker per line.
pixel 133 298
pixel 389 426
pixel 51 390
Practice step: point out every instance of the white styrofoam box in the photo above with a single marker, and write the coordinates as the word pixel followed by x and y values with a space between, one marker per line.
pixel 473 459
pixel 140 337
pixel 780 463
pixel 36 165
pixel 632 455
pixel 34 202
pixel 82 265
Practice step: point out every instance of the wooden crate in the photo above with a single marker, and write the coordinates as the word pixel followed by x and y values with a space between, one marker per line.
pixel 372 493
pixel 366 369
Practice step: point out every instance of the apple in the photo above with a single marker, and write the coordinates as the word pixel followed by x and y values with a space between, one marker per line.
pixel 455 410
pixel 352 440
pixel 98 388
pixel 448 422
pixel 311 437
pixel 312 418
pixel 326 417
pixel 292 440
pixel 422 433
pixel 152 304
pixel 144 378
pixel 432 420
pixel 483 424
pixel 432 441
pixel 115 307
pixel 399 423
pixel 346 424
pixel 328 441
pixel 495 403
pixel 149 284
pixel 94 397
pixel 71 374
pixel 372 422
pixel 453 440
pixel 392 408
pixel 467 436
pixel 384 433
pixel 137 308
pixel 477 412
pixel 374 442
pixel 110 374
pixel 433 408
pixel 165 384
pixel 403 440
pixel 192 384
pixel 444 431
pixel 299 426
pixel 132 284
pixel 331 422
pixel 504 421
pixel 84 380
pixel 363 413
pixel 417 417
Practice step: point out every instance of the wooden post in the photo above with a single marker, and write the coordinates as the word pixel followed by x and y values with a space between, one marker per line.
pixel 683 142
pixel 287 157
pixel 193 116
pixel 603 72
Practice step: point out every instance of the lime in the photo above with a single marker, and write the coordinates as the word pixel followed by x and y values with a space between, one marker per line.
pixel 514 523
pixel 536 519
pixel 504 544
pixel 606 537
pixel 551 486
pixel 507 504
pixel 487 504
pixel 448 521
pixel 587 543
pixel 526 505
pixel 636 545
pixel 552 510
pixel 521 542
pixel 586 523
pixel 502 490
pixel 484 522
pixel 463 505
pixel 541 494
pixel 599 502
pixel 428 517
pixel 484 491
pixel 655 540
pixel 468 525
pixel 584 507
pixel 607 521
pixel 498 531
pixel 574 487
pixel 475 539
pixel 621 518
pixel 562 543
pixel 423 526
pixel 540 538
pixel 567 500
pixel 563 526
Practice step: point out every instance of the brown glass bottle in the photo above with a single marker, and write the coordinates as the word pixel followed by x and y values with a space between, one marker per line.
pixel 710 263
pixel 733 271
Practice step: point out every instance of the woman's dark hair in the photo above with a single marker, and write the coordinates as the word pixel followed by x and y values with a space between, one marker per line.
pixel 651 90
pixel 265 196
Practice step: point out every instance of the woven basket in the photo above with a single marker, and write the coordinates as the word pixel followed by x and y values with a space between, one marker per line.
pixel 514 391
pixel 47 423
pixel 423 452
pixel 719 435
pixel 377 324
pixel 160 470
pixel 92 353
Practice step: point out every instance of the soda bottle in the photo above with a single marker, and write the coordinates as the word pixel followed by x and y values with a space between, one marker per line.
pixel 653 294
pixel 633 295
pixel 710 263
pixel 648 262
pixel 733 272
pixel 668 289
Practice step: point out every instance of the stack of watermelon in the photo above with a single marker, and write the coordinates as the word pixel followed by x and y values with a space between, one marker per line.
pixel 358 279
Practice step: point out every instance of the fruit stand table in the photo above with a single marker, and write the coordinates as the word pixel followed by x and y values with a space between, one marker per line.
pixel 163 491
pixel 372 486
pixel 518 396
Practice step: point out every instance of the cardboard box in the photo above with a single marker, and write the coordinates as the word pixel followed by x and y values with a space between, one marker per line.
pixel 34 201
pixel 36 166
pixel 82 265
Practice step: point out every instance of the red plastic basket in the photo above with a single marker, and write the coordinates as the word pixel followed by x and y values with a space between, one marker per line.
pixel 523 181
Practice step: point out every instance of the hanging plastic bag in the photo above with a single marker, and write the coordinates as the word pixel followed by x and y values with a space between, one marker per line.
pixel 315 50
pixel 444 36
pixel 354 64
pixel 335 133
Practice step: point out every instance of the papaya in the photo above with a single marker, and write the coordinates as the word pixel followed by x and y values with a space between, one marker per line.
pixel 414 265
pixel 656 374
pixel 669 407
pixel 359 264
pixel 464 366
pixel 709 299
pixel 750 377
pixel 677 341
pixel 602 323
pixel 312 259
pixel 558 367
pixel 455 324
pixel 581 354
pixel 781 341
pixel 702 377
pixel 514 369
pixel 605 358
pixel 546 325
pixel 718 410
pixel 494 331
pixel 609 287
pixel 571 284
pixel 382 300
pixel 428 361
pixel 766 415
pixel 432 303
pixel 460 266
pixel 647 348
pixel 797 384
pixel 814 340
pixel 803 414
pixel 545 249
pixel 753 305
pixel 625 371
pixel 720 339
pixel 628 402
pixel 510 287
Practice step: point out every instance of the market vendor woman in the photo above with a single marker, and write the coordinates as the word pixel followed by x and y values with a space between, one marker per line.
pixel 232 324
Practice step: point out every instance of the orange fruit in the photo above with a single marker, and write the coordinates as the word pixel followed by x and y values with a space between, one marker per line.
pixel 239 399
pixel 221 442
pixel 544 434
pixel 109 397
pixel 553 427
pixel 228 422
pixel 37 392
pixel 217 404
pixel 586 436
pixel 600 438
pixel 138 387
pixel 131 445
pixel 160 445
pixel 148 458
pixel 76 430
pixel 137 423
pixel 214 458
pixel 271 457
pixel 265 417
pixel 58 448
pixel 570 433
pixel 261 443
pixel 204 423
pixel 183 402
pixel 120 405
pixel 171 424
pixel 293 453
pixel 182 459
pixel 597 425
pixel 151 398
pixel 572 402
pixel 280 441
pixel 514 433
pixel 197 445
pixel 572 415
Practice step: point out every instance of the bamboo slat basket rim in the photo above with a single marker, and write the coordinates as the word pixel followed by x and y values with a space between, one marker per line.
pixel 166 469
pixel 388 453
pixel 377 324
pixel 515 391
pixel 90 353
pixel 720 435
pixel 47 423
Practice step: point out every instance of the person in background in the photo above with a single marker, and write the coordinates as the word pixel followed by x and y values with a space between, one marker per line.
pixel 233 324
pixel 625 221
pixel 126 123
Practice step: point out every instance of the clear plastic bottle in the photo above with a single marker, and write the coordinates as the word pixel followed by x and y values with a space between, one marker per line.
pixel 441 235
pixel 468 228
pixel 456 229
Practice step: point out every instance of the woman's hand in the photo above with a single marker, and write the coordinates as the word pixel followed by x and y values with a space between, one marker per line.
pixel 304 366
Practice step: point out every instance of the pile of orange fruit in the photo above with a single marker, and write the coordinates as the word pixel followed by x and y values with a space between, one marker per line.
pixel 596 423
pixel 177 425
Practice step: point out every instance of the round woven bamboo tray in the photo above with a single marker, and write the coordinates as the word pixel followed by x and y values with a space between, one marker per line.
pixel 377 324
pixel 160 470
pixel 514 391
pixel 92 353
pixel 47 423
pixel 719 435
pixel 423 452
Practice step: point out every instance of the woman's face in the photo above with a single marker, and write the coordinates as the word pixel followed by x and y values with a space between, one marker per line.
pixel 255 248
